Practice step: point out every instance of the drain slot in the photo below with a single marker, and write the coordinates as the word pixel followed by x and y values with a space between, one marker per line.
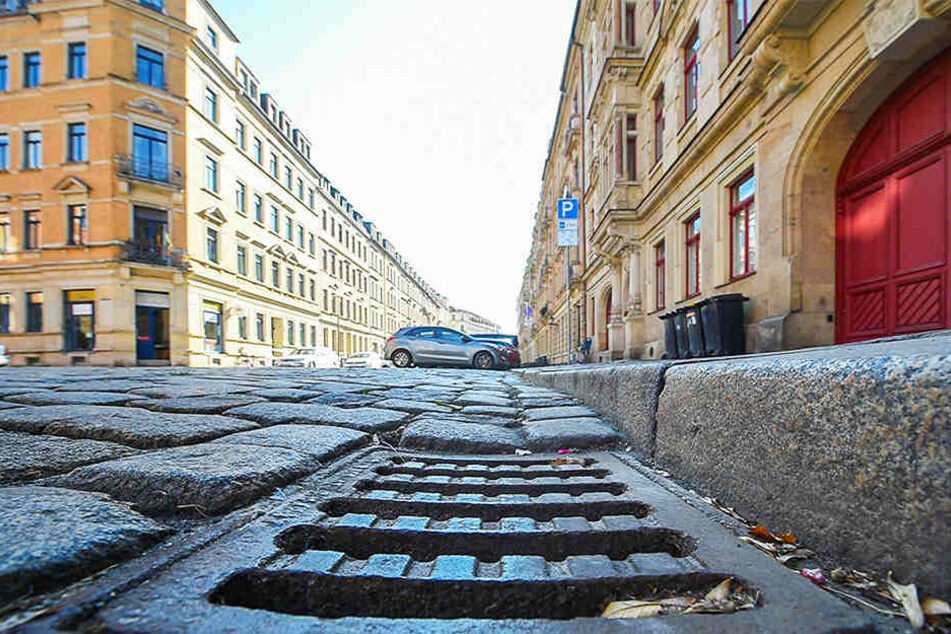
pixel 442 510
pixel 486 546
pixel 492 489
pixel 334 596
pixel 484 461
pixel 495 474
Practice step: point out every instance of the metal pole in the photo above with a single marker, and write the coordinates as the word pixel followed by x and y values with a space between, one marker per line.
pixel 568 296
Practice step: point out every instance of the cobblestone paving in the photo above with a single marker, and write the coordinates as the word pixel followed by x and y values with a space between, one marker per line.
pixel 369 483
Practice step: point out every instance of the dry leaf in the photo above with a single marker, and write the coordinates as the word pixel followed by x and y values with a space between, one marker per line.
pixel 631 610
pixel 763 533
pixel 788 538
pixel 907 595
pixel 721 592
pixel 799 553
pixel 565 460
pixel 933 606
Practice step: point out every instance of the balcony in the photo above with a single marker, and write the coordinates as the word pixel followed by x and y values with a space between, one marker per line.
pixel 142 169
pixel 8 7
pixel 157 255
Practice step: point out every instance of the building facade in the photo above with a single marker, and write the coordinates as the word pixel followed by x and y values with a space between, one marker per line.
pixel 794 152
pixel 470 323
pixel 158 206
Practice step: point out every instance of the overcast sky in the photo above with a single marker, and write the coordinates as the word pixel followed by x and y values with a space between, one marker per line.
pixel 431 116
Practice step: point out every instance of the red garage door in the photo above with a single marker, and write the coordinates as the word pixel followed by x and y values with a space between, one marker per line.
pixel 893 225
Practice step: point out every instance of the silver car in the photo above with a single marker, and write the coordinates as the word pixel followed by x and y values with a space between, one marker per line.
pixel 433 345
pixel 4 359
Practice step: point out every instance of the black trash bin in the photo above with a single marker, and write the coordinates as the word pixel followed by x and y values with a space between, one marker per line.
pixel 670 336
pixel 723 330
pixel 694 332
pixel 680 328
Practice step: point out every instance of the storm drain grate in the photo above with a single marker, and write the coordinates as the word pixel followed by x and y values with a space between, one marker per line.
pixel 474 537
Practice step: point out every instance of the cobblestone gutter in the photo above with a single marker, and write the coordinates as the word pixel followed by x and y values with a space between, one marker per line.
pixel 850 447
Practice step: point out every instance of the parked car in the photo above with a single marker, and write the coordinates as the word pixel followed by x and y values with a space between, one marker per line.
pixel 309 358
pixel 365 360
pixel 434 345
pixel 509 340
pixel 4 358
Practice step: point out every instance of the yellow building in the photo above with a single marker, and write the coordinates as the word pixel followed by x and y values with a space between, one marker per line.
pixel 157 206
pixel 793 152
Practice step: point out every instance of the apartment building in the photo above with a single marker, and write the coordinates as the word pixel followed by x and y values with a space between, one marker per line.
pixel 470 323
pixel 794 152
pixel 159 206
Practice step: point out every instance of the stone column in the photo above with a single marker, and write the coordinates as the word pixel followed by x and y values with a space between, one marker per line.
pixel 616 342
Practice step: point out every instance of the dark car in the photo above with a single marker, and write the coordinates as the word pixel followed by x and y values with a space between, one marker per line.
pixel 509 340
pixel 435 345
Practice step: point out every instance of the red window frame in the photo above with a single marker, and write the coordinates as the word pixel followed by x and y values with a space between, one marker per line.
pixel 691 73
pixel 738 18
pixel 659 124
pixel 630 146
pixel 630 22
pixel 692 243
pixel 743 207
pixel 660 275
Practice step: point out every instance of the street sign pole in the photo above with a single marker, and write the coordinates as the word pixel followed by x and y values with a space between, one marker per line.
pixel 568 237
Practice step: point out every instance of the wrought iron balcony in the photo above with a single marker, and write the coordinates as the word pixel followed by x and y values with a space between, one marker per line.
pixel 143 169
pixel 15 6
pixel 149 253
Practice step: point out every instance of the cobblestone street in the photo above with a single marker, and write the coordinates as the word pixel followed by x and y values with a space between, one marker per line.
pixel 284 500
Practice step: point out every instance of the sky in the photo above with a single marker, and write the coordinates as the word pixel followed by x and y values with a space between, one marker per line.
pixel 431 116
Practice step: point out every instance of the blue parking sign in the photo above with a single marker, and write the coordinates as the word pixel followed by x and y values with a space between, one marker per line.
pixel 568 222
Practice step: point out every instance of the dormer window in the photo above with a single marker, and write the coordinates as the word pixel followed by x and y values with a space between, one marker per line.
pixel 212 38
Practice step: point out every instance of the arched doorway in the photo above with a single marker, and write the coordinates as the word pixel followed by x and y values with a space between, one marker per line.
pixel 606 341
pixel 893 214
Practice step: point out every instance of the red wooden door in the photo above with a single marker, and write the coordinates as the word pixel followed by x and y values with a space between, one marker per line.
pixel 893 222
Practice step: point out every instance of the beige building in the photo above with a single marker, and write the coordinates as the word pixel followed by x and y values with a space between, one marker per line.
pixel 157 205
pixel 793 152
pixel 470 323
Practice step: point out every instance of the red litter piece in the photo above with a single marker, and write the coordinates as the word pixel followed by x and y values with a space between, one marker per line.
pixel 814 575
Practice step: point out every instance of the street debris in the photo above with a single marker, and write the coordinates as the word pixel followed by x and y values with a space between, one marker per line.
pixel 814 575
pixel 907 595
pixel 522 452
pixel 725 598
pixel 561 461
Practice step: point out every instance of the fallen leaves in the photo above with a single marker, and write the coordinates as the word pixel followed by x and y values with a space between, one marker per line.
pixel 561 461
pixel 907 595
pixel 725 598
pixel 763 533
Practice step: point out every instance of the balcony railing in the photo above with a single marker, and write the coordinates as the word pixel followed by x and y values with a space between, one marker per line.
pixel 159 255
pixel 15 6
pixel 145 170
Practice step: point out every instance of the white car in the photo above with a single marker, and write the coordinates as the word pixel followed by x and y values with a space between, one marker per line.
pixel 365 360
pixel 4 359
pixel 309 358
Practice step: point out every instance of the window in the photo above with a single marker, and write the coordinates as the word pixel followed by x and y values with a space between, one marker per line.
pixel 241 198
pixel 300 189
pixel 211 174
pixel 326 301
pixel 4 232
pixel 211 244
pixel 738 12
pixel 310 198
pixel 660 275
pixel 288 229
pixel 152 4
pixel 289 280
pixel 240 136
pixel 313 336
pixel 259 267
pixel 275 219
pixel 242 327
pixel 290 332
pixel 242 260
pixel 275 274
pixel 312 244
pixel 300 236
pixel 659 125
pixel 693 255
pixel 212 37
pixel 77 224
pixel 743 226
pixel 258 209
pixel 630 23
pixel 150 153
pixel 259 326
pixel 76 151
pixel 274 165
pixel 31 70
pixel 77 61
pixel 33 150
pixel 31 233
pixel 313 290
pixel 211 104
pixel 300 284
pixel 630 147
pixel 34 312
pixel 4 152
pixel 303 334
pixel 211 319
pixel 150 67
pixel 691 72
pixel 288 178
pixel 80 309
pixel 4 314
pixel 4 73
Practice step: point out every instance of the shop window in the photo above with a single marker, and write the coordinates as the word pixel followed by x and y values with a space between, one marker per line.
pixel 80 308
pixel 212 327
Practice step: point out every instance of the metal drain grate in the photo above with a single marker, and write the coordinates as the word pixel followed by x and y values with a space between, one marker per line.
pixel 496 538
